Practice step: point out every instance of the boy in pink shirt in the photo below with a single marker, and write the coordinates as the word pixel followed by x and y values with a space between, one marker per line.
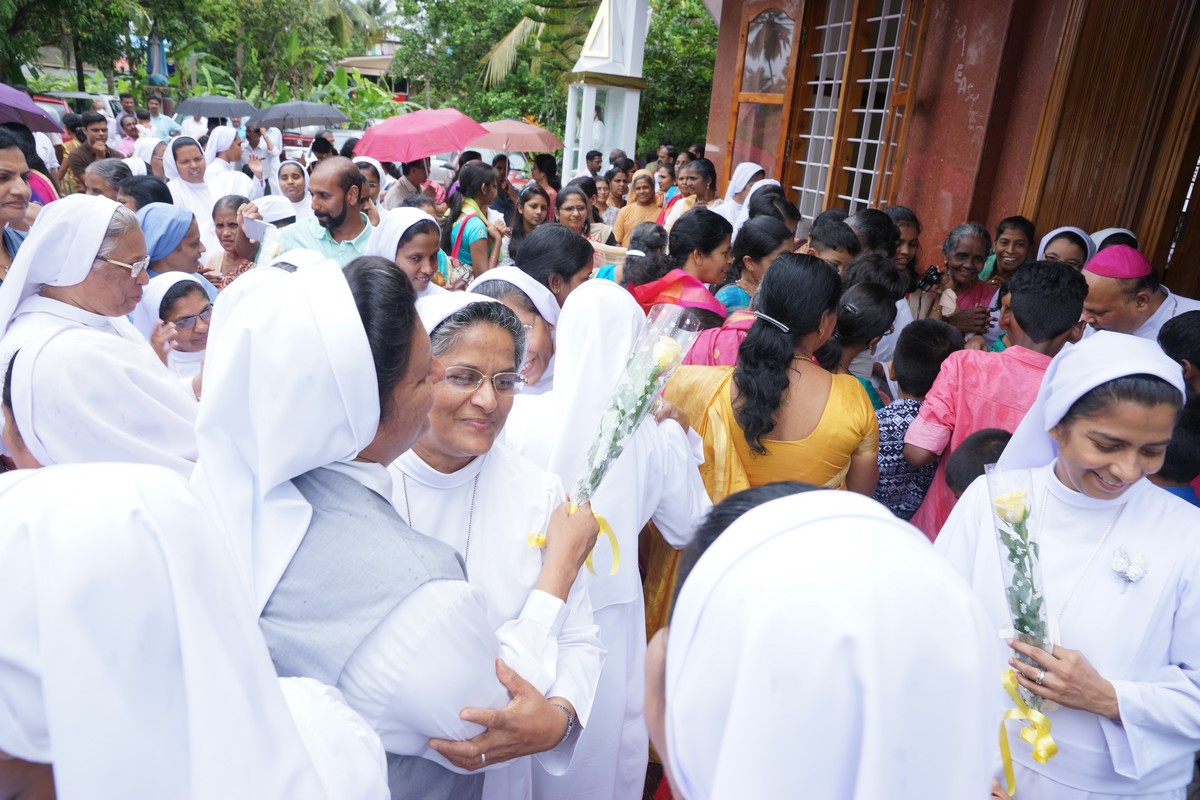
pixel 1040 308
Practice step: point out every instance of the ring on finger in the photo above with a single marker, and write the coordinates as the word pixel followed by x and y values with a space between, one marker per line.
pixel 482 759
pixel 1041 676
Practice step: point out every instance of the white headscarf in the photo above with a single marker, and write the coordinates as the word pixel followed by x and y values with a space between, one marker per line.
pixel 59 251
pixel 145 316
pixel 1080 232
pixel 136 165
pixel 386 236
pixel 541 297
pixel 275 207
pixel 598 331
pixel 304 206
pixel 1099 236
pixel 178 697
pixel 435 308
pixel 286 353
pixel 847 679
pixel 143 149
pixel 220 139
pixel 743 215
pixel 170 169
pixel 1102 357
pixel 379 170
pixel 742 174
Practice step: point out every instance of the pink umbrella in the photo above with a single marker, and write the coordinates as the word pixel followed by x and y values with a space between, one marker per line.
pixel 513 135
pixel 416 135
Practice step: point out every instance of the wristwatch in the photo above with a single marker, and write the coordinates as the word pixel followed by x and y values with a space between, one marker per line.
pixel 570 720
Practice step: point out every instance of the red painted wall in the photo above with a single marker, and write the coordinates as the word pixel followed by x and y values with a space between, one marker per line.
pixel 984 76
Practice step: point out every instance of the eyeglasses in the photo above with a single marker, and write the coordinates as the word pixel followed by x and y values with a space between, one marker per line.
pixel 187 323
pixel 136 268
pixel 468 379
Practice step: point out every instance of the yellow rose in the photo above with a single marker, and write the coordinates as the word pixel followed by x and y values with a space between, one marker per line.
pixel 667 352
pixel 1012 507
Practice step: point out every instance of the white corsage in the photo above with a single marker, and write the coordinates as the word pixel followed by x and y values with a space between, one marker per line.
pixel 1130 568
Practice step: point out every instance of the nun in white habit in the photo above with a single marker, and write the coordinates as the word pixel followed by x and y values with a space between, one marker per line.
pixel 300 490
pixel 1120 559
pixel 129 662
pixel 185 352
pixel 745 176
pixel 743 215
pixel 411 238
pixel 819 649
pixel 462 487
pixel 291 180
pixel 197 182
pixel 97 392
pixel 655 479
pixel 538 310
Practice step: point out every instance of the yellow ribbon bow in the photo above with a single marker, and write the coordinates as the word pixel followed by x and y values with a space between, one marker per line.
pixel 1036 734
pixel 539 540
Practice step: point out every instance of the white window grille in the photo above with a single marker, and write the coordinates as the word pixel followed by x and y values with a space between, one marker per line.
pixel 827 66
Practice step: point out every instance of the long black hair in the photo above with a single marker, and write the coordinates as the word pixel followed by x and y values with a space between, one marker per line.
pixel 471 179
pixel 797 292
pixel 549 167
pixel 387 304
pixel 528 192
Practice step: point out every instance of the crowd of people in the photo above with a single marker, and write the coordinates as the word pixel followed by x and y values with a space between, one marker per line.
pixel 291 444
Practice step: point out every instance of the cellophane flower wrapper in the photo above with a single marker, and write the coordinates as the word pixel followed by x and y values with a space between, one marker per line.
pixel 668 334
pixel 1011 494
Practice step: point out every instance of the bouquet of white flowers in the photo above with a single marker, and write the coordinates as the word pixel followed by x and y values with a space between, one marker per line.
pixel 1020 567
pixel 669 333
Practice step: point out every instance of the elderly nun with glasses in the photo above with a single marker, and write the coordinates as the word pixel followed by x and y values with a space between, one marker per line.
pixel 461 486
pixel 85 382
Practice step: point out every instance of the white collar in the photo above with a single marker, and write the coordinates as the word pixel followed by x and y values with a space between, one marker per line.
pixel 367 473
pixel 413 466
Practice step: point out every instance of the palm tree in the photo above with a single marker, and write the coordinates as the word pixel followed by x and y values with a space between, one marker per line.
pixel 341 17
pixel 768 45
pixel 550 34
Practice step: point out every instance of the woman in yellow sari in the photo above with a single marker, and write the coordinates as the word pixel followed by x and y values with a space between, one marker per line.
pixel 776 415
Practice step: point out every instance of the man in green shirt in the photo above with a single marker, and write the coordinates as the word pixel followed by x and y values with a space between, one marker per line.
pixel 338 228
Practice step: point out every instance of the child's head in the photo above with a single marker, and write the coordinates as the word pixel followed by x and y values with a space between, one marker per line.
pixel 920 350
pixel 865 313
pixel 1045 299
pixel 873 266
pixel 833 242
pixel 1180 340
pixel 1182 463
pixel 967 461
pixel 875 230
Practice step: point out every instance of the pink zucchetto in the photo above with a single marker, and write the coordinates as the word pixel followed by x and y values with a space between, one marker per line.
pixel 1119 261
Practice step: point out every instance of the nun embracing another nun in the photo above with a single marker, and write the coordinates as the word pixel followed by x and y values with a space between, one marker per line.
pixel 323 522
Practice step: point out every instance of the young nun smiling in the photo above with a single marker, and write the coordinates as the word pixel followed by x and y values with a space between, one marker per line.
pixel 538 312
pixel 409 237
pixel 1126 641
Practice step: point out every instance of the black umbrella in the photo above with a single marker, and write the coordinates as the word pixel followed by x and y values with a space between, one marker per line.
pixel 214 105
pixel 295 115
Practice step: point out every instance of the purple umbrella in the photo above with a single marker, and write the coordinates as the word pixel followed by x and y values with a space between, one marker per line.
pixel 16 106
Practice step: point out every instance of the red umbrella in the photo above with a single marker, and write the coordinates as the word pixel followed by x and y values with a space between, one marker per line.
pixel 416 135
pixel 513 135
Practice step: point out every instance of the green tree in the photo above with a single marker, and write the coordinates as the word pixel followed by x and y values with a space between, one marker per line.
pixel 549 36
pixel 681 48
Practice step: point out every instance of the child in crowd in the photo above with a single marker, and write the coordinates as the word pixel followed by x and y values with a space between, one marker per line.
pixel 865 313
pixel 1181 466
pixel 920 351
pixel 967 461
pixel 833 242
pixel 1041 313
pixel 1180 340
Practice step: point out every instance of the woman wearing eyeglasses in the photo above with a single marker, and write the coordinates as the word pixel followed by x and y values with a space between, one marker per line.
pixel 174 316
pixel 94 390
pixel 462 487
